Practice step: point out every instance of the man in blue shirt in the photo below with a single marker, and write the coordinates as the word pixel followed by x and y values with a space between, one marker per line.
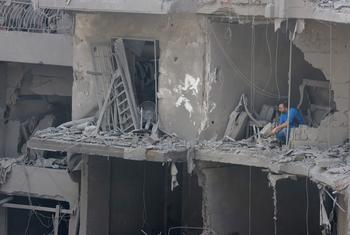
pixel 295 119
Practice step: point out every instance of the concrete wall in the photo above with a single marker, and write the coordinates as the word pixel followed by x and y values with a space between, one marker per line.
pixel 328 49
pixel 182 63
pixel 231 70
pixel 95 195
pixel 37 48
pixel 42 183
pixel 2 105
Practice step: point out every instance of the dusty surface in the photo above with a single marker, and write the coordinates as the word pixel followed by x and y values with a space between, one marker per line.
pixel 330 167
pixel 110 143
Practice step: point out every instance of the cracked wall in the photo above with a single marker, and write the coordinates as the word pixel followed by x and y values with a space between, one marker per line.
pixel 181 64
pixel 327 47
pixel 29 93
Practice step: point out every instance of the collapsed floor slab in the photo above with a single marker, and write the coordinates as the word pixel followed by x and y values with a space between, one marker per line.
pixel 329 168
pixel 112 144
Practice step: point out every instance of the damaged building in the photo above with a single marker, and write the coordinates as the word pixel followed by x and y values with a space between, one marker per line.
pixel 156 117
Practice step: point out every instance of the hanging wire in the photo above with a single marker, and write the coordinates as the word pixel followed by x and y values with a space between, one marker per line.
pixel 291 39
pixel 144 213
pixel 307 201
pixel 276 67
pixel 252 66
pixel 240 74
pixel 269 53
pixel 330 82
pixel 250 202
pixel 28 222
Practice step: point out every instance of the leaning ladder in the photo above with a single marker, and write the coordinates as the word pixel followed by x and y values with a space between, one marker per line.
pixel 124 91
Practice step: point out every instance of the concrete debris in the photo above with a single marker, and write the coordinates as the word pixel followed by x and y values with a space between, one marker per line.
pixel 339 170
pixel 134 139
pixel 174 172
pixel 190 158
pixel 5 169
pixel 48 163
pixel 341 4
pixel 332 4
pixel 45 122
pixel 13 138
pixel 237 122
pixel 324 220
pixel 333 162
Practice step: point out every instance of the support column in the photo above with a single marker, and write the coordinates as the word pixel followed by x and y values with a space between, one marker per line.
pixel 73 224
pixel 2 106
pixel 343 225
pixel 95 195
pixel 3 220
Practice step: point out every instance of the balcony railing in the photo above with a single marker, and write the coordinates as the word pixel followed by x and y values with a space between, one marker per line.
pixel 23 16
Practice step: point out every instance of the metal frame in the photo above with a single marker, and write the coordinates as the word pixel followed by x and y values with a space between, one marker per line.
pixel 22 16
pixel 5 203
pixel 37 208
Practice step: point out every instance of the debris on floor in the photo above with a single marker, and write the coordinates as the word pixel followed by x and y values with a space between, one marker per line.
pixel 81 133
pixel 333 163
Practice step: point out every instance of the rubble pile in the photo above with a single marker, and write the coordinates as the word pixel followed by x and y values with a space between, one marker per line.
pixel 135 139
pixel 333 162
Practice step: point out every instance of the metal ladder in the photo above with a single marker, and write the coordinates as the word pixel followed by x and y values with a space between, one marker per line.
pixel 123 90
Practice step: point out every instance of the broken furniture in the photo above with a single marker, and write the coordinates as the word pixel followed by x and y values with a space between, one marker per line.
pixel 242 120
pixel 237 122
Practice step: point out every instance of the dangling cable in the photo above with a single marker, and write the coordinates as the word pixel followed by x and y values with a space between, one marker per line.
pixel 330 82
pixel 276 68
pixel 252 66
pixel 291 39
pixel 250 202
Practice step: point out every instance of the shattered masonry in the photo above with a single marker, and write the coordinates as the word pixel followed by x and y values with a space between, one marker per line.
pixel 157 117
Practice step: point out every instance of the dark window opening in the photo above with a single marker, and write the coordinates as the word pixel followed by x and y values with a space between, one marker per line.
pixel 142 58
pixel 29 222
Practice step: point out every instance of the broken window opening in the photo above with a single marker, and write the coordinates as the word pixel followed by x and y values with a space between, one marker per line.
pixel 126 74
pixel 32 216
pixel 283 204
pixel 142 64
pixel 142 199
pixel 34 97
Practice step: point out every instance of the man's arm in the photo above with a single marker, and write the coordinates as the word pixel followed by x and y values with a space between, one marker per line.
pixel 292 116
pixel 279 128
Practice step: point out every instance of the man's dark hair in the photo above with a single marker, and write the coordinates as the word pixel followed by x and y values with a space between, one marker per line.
pixel 284 103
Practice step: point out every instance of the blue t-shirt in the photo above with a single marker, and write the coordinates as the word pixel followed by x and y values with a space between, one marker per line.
pixel 295 118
